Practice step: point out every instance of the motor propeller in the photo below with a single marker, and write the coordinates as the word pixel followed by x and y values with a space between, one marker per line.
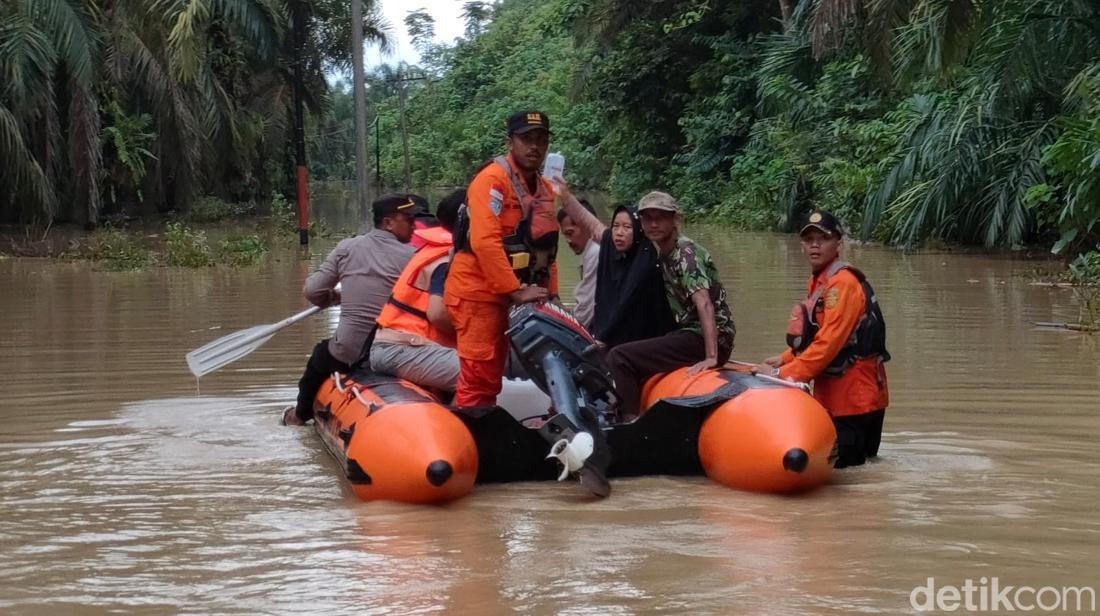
pixel 550 345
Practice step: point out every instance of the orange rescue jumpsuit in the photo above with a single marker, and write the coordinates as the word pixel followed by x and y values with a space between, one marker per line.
pixel 479 282
pixel 862 387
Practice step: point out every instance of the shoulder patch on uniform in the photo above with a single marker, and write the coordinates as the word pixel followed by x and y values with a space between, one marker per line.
pixel 687 256
pixel 496 200
pixel 832 298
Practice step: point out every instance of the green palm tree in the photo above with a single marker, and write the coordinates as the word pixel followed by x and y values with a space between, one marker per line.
pixel 47 58
pixel 975 150
pixel 212 75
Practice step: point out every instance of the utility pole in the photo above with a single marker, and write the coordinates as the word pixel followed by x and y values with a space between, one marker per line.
pixel 378 153
pixel 299 25
pixel 400 81
pixel 360 113
pixel 404 134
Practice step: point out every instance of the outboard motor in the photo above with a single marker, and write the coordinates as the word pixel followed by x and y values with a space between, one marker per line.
pixel 554 349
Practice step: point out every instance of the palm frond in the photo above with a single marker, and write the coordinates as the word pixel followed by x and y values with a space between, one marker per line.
pixel 20 171
pixel 916 148
pixel 1007 216
pixel 936 36
pixel 256 19
pixel 884 17
pixel 181 143
pixel 184 37
pixel 27 56
pixel 72 26
pixel 377 30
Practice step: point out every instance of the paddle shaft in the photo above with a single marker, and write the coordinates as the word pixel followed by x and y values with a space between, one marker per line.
pixel 270 330
pixel 767 377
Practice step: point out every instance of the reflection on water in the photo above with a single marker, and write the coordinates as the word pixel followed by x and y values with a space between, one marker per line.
pixel 121 488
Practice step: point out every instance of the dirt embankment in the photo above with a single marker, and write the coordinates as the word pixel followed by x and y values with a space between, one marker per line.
pixel 38 242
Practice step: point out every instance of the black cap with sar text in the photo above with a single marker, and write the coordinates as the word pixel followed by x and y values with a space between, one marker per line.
pixel 526 121
pixel 823 221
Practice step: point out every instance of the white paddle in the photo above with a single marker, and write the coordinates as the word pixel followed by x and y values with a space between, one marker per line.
pixel 228 349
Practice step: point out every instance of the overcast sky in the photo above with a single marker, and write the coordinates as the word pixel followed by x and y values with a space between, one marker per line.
pixel 448 26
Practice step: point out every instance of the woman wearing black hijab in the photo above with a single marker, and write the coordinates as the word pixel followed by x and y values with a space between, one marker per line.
pixel 630 293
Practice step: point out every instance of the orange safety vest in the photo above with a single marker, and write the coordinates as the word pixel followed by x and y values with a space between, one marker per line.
pixel 406 310
pixel 537 232
pixel 530 242
pixel 868 339
pixel 848 371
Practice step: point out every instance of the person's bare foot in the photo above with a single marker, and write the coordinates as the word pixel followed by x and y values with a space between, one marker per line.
pixel 290 417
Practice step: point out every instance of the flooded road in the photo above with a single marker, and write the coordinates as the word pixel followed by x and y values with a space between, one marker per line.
pixel 121 488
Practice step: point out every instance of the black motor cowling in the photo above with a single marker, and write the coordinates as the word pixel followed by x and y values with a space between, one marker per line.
pixel 556 352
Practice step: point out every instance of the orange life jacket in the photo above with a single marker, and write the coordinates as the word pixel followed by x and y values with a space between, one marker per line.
pixel 418 239
pixel 867 340
pixel 406 310
pixel 533 246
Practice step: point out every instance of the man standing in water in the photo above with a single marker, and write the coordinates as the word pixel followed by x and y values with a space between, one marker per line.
pixel 504 255
pixel 366 267
pixel 705 330
pixel 837 339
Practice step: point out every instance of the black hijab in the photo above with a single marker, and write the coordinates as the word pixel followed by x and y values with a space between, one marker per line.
pixel 630 292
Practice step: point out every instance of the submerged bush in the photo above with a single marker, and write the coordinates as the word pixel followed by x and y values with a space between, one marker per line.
pixel 213 209
pixel 282 213
pixel 1085 269
pixel 241 250
pixel 117 250
pixel 186 247
pixel 1084 273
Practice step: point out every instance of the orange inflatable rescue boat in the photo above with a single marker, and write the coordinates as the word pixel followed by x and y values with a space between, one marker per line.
pixel 397 441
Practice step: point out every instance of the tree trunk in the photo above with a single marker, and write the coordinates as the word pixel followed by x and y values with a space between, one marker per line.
pixel 785 14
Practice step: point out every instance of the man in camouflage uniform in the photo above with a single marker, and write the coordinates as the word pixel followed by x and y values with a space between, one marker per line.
pixel 704 335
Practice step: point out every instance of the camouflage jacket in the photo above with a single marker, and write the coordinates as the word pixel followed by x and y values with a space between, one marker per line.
pixel 687 269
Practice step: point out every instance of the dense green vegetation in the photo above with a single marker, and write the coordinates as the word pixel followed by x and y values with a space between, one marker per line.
pixel 973 121
pixel 961 120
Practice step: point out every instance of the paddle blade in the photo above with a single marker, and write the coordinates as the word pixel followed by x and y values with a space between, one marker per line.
pixel 227 349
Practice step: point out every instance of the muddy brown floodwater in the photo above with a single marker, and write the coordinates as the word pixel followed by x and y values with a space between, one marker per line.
pixel 121 488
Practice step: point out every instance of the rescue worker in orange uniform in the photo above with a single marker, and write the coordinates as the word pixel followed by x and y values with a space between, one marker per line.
pixel 505 247
pixel 837 339
pixel 415 339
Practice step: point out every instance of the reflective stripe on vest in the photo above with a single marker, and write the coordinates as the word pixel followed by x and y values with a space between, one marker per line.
pixel 406 310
